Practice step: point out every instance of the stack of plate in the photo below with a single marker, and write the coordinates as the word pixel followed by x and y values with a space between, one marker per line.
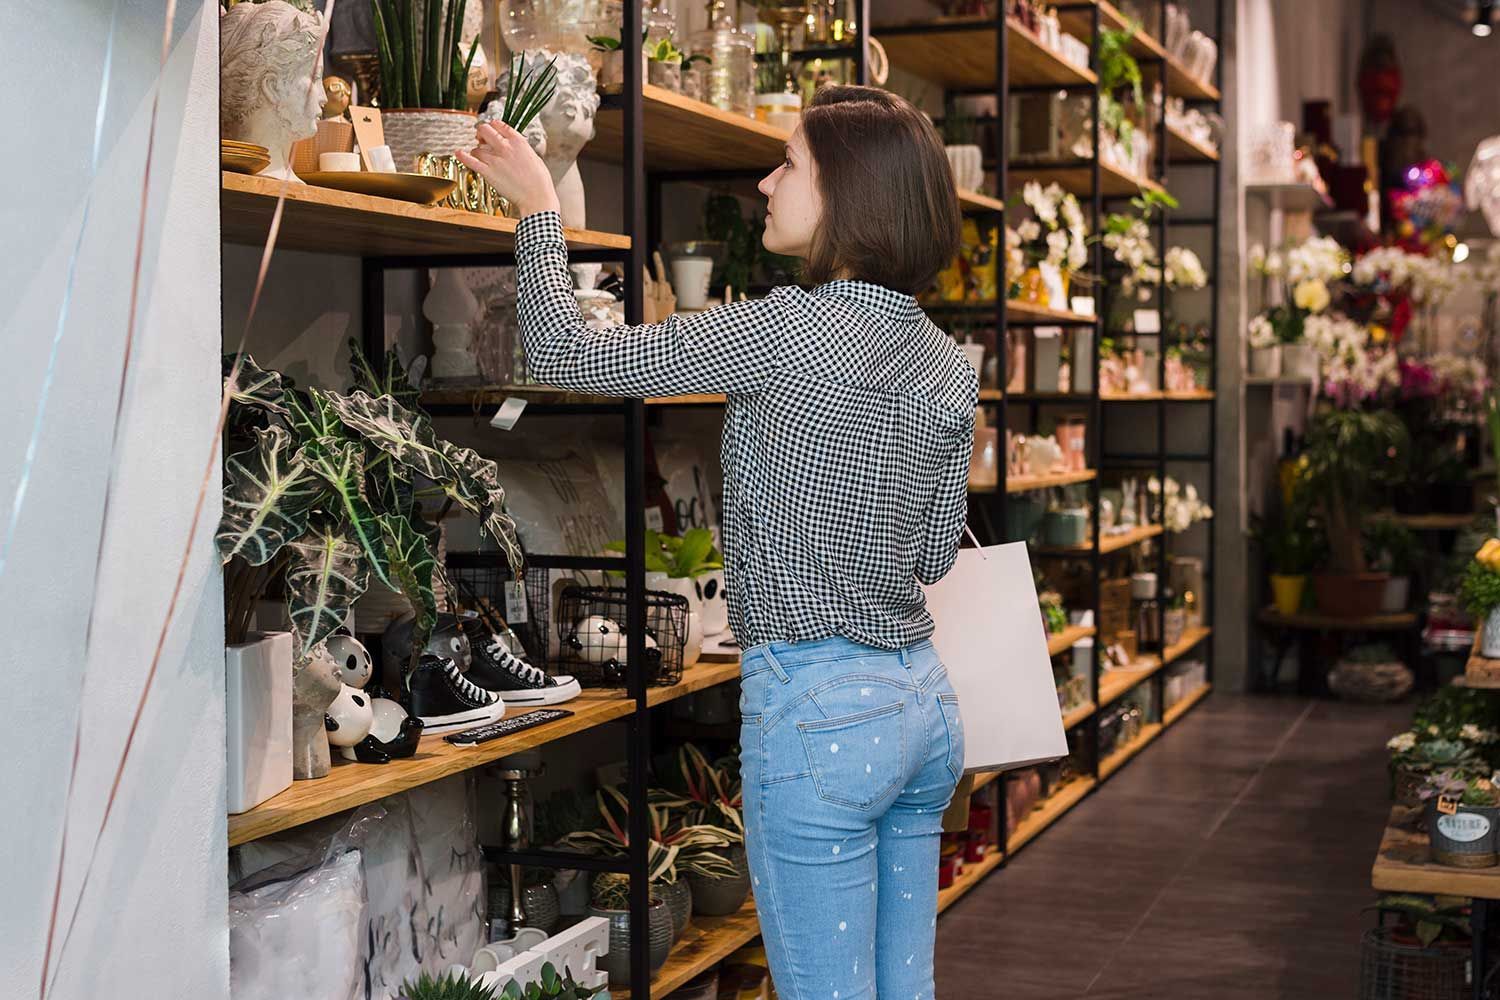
pixel 243 157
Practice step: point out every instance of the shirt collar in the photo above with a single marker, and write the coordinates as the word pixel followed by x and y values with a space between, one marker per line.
pixel 877 298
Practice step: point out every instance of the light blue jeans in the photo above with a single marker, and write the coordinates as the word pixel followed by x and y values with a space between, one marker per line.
pixel 850 755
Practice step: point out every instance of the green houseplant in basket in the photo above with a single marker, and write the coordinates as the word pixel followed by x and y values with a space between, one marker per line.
pixel 424 77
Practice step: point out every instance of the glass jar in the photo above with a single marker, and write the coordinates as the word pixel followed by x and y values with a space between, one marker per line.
pixel 559 25
pixel 728 78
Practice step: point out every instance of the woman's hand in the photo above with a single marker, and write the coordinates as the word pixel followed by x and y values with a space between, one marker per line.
pixel 506 160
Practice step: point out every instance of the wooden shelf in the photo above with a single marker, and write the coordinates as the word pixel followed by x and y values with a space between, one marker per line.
pixel 991 395
pixel 977 201
pixel 322 220
pixel 1190 639
pixel 1183 148
pixel 1020 484
pixel 1061 642
pixel 1403 864
pixel 1292 196
pixel 1016 309
pixel 1115 684
pixel 1079 714
pixel 351 784
pixel 1188 396
pixel 973 873
pixel 961 53
pixel 1184 704
pixel 1110 543
pixel 494 395
pixel 986 778
pixel 682 133
pixel 1078 21
pixel 706 942
pixel 1434 522
pixel 1048 811
pixel 1079 179
pixel 1109 765
pixel 1312 621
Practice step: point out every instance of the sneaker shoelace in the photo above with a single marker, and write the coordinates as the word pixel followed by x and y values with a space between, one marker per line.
pixel 513 664
pixel 473 692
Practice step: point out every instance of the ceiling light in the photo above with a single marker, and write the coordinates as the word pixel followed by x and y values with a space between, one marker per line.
pixel 1460 253
pixel 1484 12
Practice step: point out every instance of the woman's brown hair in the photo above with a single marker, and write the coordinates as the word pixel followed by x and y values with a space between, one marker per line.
pixel 890 211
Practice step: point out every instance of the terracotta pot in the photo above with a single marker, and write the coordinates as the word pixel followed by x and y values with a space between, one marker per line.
pixel 1350 595
pixel 1287 593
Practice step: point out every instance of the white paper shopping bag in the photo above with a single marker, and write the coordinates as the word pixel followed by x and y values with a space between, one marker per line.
pixel 991 638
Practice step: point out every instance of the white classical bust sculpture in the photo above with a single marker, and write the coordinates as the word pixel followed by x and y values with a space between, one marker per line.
pixel 270 86
pixel 568 124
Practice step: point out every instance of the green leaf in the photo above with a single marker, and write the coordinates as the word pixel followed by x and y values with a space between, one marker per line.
pixel 340 464
pixel 253 386
pixel 386 424
pixel 697 543
pixel 550 980
pixel 325 578
pixel 391 380
pixel 268 496
pixel 476 486
pixel 313 417
pixel 412 563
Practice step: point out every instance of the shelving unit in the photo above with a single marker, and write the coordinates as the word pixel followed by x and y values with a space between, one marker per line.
pixel 1048 811
pixel 706 942
pixel 1118 759
pixel 1060 642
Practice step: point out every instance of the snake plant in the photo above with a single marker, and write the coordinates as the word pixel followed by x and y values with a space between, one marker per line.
pixel 324 490
pixel 423 68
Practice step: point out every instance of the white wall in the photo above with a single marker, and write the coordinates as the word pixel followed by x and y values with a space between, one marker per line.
pixel 153 923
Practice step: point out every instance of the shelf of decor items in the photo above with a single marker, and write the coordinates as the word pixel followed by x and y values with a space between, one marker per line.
pixel 1183 148
pixel 322 220
pixel 1078 20
pixel 351 784
pixel 494 395
pixel 1115 684
pixel 706 942
pixel 1021 484
pixel 1078 178
pixel 1110 543
pixel 973 874
pixel 1185 703
pixel 960 53
pixel 1116 760
pixel 1187 396
pixel 1048 811
pixel 1060 642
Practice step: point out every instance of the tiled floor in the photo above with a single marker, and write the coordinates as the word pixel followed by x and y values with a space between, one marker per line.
pixel 1230 860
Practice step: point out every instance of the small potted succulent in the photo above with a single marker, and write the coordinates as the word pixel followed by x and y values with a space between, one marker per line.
pixel 1480 591
pixel 449 986
pixel 1462 811
pixel 611 899
pixel 1415 756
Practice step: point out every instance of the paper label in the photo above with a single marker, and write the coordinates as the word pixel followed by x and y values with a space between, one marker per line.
pixel 1464 827
pixel 1147 321
pixel 1047 332
pixel 1083 305
pixel 654 520
pixel 1447 804
pixel 510 411
pixel 515 602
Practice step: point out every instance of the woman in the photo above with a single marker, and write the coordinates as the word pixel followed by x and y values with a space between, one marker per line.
pixel 846 448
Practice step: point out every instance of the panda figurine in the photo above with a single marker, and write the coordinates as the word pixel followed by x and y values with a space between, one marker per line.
pixel 369 730
pixel 601 642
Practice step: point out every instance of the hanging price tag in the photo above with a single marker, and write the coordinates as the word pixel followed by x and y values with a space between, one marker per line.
pixel 1147 321
pixel 654 519
pixel 1447 805
pixel 510 411
pixel 515 603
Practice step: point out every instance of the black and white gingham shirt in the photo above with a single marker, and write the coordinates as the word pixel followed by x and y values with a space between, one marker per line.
pixel 847 436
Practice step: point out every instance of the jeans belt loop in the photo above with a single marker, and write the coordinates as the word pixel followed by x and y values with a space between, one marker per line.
pixel 776 666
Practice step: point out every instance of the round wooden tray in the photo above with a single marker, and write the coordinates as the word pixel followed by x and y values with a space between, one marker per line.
pixel 420 188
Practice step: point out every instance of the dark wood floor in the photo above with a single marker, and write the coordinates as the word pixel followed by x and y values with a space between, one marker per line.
pixel 1229 861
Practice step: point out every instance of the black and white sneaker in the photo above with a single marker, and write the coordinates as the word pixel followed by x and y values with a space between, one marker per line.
pixel 497 669
pixel 445 700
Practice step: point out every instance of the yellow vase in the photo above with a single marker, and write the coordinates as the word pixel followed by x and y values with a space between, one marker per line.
pixel 1033 288
pixel 1286 591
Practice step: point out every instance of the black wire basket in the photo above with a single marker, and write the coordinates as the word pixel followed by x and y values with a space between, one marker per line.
pixel 590 629
pixel 480 582
pixel 1390 970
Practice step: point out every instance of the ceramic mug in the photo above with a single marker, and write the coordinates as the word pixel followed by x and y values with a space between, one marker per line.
pixel 690 276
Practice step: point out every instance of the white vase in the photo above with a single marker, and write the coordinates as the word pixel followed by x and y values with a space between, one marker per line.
pixel 967 162
pixel 1265 362
pixel 710 587
pixel 450 308
pixel 1299 361
pixel 1489 643
pixel 258 719
pixel 1397 593
pixel 693 648
pixel 410 132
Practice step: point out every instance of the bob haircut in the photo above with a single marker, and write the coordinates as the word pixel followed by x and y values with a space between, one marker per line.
pixel 890 210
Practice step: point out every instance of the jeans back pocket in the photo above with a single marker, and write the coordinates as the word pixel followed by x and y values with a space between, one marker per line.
pixel 857 760
pixel 953 721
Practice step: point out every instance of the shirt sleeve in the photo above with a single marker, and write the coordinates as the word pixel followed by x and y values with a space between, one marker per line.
pixel 950 504
pixel 731 348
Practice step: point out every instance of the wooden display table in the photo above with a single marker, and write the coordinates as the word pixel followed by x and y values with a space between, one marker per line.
pixel 1402 865
pixel 1303 629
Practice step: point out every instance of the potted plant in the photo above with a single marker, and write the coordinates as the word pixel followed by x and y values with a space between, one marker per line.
pixel 550 987
pixel 1292 543
pixel 1427 921
pixel 1480 590
pixel 611 899
pixel 424 77
pixel 1392 547
pixel 1351 455
pixel 1415 756
pixel 716 801
pixel 449 986
pixel 664 65
pixel 1307 269
pixel 324 490
pixel 1462 811
pixel 1055 242
pixel 1265 349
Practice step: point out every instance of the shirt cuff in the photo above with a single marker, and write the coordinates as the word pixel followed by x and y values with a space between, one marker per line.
pixel 540 227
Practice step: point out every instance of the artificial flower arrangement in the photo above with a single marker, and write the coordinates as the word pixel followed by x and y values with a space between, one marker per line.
pixel 1128 239
pixel 1309 269
pixel 1054 240
pixel 1183 506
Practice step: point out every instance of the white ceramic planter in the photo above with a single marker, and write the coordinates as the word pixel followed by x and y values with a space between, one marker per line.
pixel 1397 593
pixel 967 162
pixel 710 587
pixel 1489 642
pixel 412 132
pixel 258 719
pixel 693 648
pixel 1299 361
pixel 1265 362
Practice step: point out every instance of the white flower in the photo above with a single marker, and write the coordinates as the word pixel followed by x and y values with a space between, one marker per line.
pixel 1401 742
pixel 1257 257
pixel 1474 734
pixel 1262 334
pixel 1311 295
pixel 1057 247
pixel 1184 269
pixel 1433 730
pixel 1029 230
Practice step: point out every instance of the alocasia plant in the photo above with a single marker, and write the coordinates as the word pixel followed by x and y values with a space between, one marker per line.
pixel 326 491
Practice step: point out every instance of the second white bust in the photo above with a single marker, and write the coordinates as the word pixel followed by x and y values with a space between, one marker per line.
pixel 568 124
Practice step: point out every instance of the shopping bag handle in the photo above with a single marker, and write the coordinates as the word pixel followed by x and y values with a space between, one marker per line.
pixel 970 532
